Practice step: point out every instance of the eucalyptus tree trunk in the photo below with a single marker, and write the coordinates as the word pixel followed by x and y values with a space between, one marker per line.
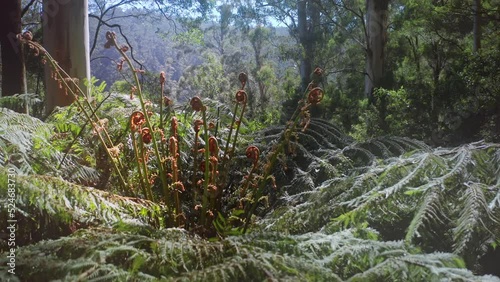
pixel 305 64
pixel 476 7
pixel 13 69
pixel 376 39
pixel 257 38
pixel 66 38
pixel 307 25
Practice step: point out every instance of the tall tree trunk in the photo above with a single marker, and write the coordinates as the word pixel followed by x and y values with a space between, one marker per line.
pixel 66 38
pixel 376 33
pixel 13 69
pixel 256 40
pixel 476 7
pixel 258 66
pixel 307 24
pixel 305 63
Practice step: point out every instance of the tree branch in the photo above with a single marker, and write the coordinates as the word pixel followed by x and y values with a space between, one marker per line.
pixel 27 7
pixel 123 35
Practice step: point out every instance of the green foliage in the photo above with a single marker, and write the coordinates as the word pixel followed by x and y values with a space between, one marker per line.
pixel 451 97
pixel 76 136
pixel 319 207
pixel 398 117
pixel 26 144
pixel 209 79
pixel 173 255
pixel 442 199
pixel 420 181
pixel 26 103
pixel 48 207
pixel 341 199
pixel 193 36
pixel 481 73
pixel 18 134
pixel 120 86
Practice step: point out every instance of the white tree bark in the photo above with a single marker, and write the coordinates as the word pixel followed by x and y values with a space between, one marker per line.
pixel 66 38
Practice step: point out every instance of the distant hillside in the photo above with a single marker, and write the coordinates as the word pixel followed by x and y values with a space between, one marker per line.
pixel 161 45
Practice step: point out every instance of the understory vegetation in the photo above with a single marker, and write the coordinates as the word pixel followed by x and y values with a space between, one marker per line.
pixel 390 208
pixel 252 158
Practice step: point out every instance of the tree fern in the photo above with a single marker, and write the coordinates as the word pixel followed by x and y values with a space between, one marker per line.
pixel 337 201
pixel 44 202
pixel 475 215
pixel 419 196
pixel 173 255
pixel 25 143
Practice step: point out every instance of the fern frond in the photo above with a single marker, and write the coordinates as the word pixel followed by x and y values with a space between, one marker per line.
pixel 173 255
pixel 25 143
pixel 495 202
pixel 428 211
pixel 46 202
pixel 406 179
pixel 417 267
pixel 474 215
pixel 417 196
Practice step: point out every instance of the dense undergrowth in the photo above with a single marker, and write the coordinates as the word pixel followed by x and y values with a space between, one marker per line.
pixel 181 157
pixel 173 255
pixel 387 209
pixel 113 188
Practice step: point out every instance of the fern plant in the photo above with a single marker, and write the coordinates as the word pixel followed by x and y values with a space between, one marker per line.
pixel 441 199
pixel 156 148
pixel 165 157
pixel 49 207
pixel 29 103
pixel 390 208
pixel 26 144
pixel 122 254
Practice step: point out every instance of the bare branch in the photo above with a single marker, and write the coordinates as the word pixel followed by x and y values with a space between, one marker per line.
pixel 123 35
pixel 165 16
